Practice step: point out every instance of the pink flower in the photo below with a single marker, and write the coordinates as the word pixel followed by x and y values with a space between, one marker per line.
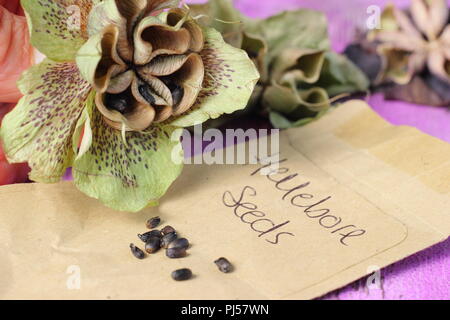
pixel 16 53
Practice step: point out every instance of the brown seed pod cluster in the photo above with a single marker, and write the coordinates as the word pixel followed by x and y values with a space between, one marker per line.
pixel 176 247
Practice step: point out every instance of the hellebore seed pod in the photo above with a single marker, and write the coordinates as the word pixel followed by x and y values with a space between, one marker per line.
pixel 167 230
pixel 182 274
pixel 174 253
pixel 138 253
pixel 153 245
pixel 224 265
pixel 151 234
pixel 182 243
pixel 153 222
pixel 167 239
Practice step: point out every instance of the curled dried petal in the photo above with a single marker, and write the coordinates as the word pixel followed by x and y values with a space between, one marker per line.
pixel 303 65
pixel 164 64
pixel 190 78
pixel 98 59
pixel 121 82
pixel 174 17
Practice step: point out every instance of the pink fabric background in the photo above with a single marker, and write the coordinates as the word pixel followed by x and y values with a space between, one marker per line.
pixel 425 275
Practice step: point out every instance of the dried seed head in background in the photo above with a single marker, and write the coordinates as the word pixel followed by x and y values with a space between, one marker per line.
pixel 415 40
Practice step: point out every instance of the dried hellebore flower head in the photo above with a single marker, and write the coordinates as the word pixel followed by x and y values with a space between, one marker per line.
pixel 149 69
pixel 411 41
pixel 117 84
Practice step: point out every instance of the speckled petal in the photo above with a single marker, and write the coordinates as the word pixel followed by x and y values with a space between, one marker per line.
pixel 58 28
pixel 230 77
pixel 40 128
pixel 128 176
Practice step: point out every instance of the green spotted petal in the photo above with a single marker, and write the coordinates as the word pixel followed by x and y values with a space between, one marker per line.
pixel 58 28
pixel 128 176
pixel 230 77
pixel 40 128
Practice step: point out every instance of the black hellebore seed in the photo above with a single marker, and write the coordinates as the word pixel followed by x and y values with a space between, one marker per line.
pixel 167 239
pixel 167 230
pixel 177 94
pixel 138 253
pixel 182 243
pixel 144 90
pixel 153 222
pixel 182 274
pixel 151 234
pixel 224 265
pixel 174 253
pixel 153 245
pixel 176 90
pixel 118 102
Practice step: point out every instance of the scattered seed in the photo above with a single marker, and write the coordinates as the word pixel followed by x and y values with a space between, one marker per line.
pixel 151 234
pixel 182 243
pixel 182 274
pixel 174 253
pixel 153 222
pixel 153 245
pixel 167 230
pixel 167 239
pixel 138 253
pixel 224 265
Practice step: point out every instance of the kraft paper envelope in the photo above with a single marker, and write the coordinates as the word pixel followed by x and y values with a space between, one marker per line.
pixel 351 193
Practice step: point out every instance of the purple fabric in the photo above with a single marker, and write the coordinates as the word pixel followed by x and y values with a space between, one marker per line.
pixel 425 275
